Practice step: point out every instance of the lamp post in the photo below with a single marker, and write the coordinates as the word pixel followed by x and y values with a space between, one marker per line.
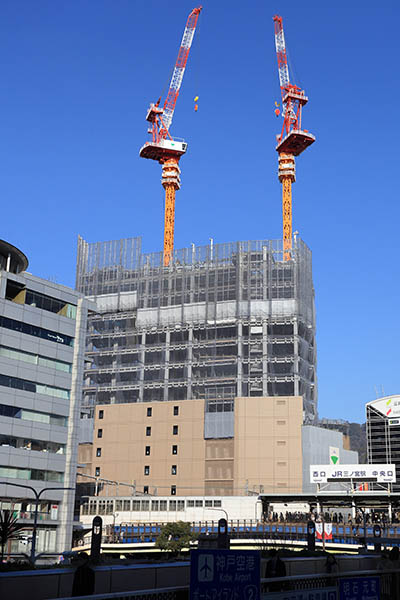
pixel 35 516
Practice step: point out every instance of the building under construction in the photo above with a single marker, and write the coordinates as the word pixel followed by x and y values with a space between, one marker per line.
pixel 221 321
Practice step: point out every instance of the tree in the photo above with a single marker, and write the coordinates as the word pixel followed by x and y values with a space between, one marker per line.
pixel 175 536
pixel 9 529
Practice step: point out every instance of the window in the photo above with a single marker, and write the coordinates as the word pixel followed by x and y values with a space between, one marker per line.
pixel 163 505
pixel 145 503
pixel 45 334
pixel 207 502
pixel 174 470
pixel 190 503
pixel 135 505
pixel 127 505
pixel 175 430
pixel 174 449
pixel 98 452
pixel 148 431
pixel 35 474
pixel 29 444
pixel 31 386
pixel 173 490
pixel 147 451
pixel 199 503
pixel 172 503
pixel 101 414
pixel 149 411
pixel 217 503
pixel 146 489
pixel 181 505
pixel 155 505
pixel 147 470
pixel 35 359
pixel 29 415
pixel 97 472
pixel 176 411
pixel 99 433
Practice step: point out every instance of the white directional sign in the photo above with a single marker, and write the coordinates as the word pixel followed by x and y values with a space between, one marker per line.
pixel 329 473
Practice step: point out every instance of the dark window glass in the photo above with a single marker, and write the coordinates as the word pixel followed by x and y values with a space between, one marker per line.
pixel 174 470
pixel 147 470
pixel 174 449
pixel 101 414
pixel 173 490
pixel 176 411
pixel 147 451
pixel 45 334
pixel 146 489
pixel 97 472
pixel 99 433
pixel 175 430
pixel 98 452
pixel 148 431
pixel 149 411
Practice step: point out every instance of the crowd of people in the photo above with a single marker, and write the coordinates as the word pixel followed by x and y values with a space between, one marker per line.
pixel 371 518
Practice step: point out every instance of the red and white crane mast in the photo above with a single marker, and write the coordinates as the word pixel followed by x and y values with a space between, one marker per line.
pixel 292 140
pixel 162 147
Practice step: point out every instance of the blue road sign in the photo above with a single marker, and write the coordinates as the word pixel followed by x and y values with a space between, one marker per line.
pixel 224 574
pixel 360 588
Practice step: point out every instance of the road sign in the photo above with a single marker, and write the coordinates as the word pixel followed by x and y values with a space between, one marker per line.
pixel 227 574
pixel 360 588
pixel 326 593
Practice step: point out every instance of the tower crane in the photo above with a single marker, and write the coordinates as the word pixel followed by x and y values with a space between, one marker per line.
pixel 292 140
pixel 162 147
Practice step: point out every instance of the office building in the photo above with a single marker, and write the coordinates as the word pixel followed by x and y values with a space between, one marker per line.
pixel 42 342
pixel 383 433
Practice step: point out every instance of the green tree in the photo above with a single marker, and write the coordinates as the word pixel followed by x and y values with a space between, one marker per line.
pixel 175 536
pixel 9 529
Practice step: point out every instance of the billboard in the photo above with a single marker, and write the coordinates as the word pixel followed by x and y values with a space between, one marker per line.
pixel 329 473
pixel 389 407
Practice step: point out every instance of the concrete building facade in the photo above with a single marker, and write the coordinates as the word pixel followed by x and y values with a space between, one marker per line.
pixel 161 448
pixel 42 342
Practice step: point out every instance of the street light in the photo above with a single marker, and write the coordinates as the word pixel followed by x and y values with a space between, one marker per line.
pixel 37 498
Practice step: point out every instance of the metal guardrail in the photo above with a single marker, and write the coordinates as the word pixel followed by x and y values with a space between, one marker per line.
pixel 269 588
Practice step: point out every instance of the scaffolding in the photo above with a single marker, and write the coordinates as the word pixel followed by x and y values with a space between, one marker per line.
pixel 220 321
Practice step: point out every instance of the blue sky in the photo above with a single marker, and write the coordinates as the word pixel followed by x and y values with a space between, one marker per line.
pixel 76 79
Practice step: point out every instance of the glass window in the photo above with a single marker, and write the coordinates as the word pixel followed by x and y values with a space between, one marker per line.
pixel 118 505
pixel 101 414
pixel 172 503
pixel 149 411
pixel 97 472
pixel 163 505
pixel 181 505
pixel 174 449
pixel 145 504
pixel 92 507
pixel 135 505
pixel 199 503
pixel 217 503
pixel 190 503
pixel 176 411
pixel 154 505
pixel 147 450
pixel 174 470
pixel 175 430
pixel 147 470
pixel 127 505
pixel 146 489
pixel 99 433
pixel 148 431
pixel 173 490
pixel 208 503
pixel 45 334
pixel 98 452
